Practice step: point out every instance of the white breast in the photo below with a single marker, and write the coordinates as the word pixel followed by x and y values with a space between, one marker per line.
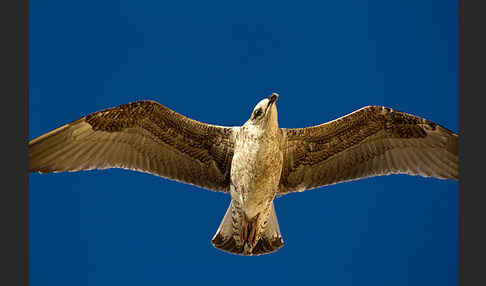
pixel 255 170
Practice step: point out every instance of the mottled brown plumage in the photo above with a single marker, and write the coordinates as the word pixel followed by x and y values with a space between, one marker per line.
pixel 144 136
pixel 371 141
pixel 254 162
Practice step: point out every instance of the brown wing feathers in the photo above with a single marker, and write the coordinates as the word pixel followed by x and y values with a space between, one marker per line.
pixel 143 136
pixel 371 141
pixel 149 137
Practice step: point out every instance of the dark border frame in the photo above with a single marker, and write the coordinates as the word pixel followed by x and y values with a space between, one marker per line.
pixel 471 193
pixel 14 196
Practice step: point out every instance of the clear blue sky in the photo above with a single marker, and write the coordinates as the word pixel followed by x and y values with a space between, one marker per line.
pixel 213 62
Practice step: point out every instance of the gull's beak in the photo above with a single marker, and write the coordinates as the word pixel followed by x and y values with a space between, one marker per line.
pixel 272 98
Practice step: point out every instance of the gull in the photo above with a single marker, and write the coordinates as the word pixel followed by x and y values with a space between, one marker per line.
pixel 255 162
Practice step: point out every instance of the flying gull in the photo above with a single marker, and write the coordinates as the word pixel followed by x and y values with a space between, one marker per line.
pixel 254 163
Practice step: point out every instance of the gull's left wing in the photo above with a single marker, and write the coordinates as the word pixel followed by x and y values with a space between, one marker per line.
pixel 144 136
pixel 371 141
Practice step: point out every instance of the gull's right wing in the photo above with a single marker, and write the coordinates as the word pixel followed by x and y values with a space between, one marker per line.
pixel 371 141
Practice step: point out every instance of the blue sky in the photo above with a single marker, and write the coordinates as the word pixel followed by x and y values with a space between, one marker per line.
pixel 214 62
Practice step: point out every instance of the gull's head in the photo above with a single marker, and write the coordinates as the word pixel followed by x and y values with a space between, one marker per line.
pixel 265 113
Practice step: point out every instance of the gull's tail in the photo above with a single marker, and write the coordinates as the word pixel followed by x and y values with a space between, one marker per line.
pixel 239 235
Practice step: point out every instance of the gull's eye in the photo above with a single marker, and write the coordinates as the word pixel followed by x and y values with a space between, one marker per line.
pixel 257 113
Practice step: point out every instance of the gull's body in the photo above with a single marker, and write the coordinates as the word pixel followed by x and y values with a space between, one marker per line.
pixel 255 176
pixel 254 162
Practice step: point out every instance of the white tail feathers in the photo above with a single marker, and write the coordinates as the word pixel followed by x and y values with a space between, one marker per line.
pixel 239 235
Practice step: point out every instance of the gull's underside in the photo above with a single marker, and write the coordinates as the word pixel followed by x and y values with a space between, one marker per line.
pixel 149 137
